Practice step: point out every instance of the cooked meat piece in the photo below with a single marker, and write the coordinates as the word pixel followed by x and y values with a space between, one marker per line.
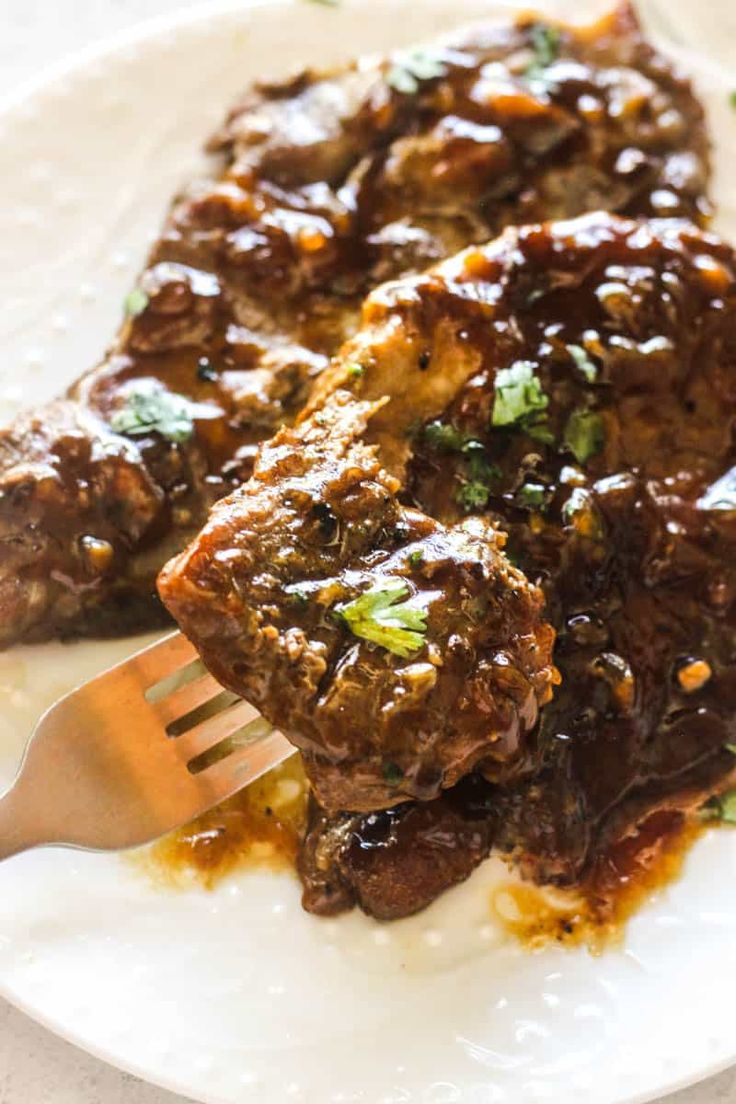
pixel 397 653
pixel 331 183
pixel 396 862
pixel 598 431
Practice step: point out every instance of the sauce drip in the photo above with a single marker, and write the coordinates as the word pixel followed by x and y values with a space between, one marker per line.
pixel 596 913
pixel 263 826
pixel 260 827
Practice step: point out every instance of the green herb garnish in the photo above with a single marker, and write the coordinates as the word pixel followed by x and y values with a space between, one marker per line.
pixel 519 398
pixel 722 807
pixel 731 748
pixel 473 495
pixel 416 559
pixel 546 46
pixel 355 370
pixel 150 408
pixel 412 67
pixel 531 495
pixel 444 437
pixel 327 3
pixel 539 432
pixel 381 616
pixel 136 302
pixel 474 491
pixel 585 434
pixel 732 98
pixel 583 362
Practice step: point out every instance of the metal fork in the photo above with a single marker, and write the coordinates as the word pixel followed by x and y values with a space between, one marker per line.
pixel 136 752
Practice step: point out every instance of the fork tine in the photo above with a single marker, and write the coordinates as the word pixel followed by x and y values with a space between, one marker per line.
pixel 187 698
pixel 161 659
pixel 247 764
pixel 214 730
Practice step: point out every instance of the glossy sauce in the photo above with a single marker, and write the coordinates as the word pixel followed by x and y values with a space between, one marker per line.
pixel 260 827
pixel 622 880
pixel 263 828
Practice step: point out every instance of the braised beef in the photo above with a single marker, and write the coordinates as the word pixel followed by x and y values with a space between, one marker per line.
pixel 593 364
pixel 444 665
pixel 330 183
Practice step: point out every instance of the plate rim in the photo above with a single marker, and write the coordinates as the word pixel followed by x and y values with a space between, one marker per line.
pixel 73 64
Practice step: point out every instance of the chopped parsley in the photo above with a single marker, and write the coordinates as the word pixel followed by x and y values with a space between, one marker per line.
pixel 475 490
pixel 411 67
pixel 531 495
pixel 520 399
pixel 722 807
pixel 583 362
pixel 381 616
pixel 444 437
pixel 136 302
pixel 355 370
pixel 539 432
pixel 416 559
pixel 585 434
pixel 150 408
pixel 393 773
pixel 473 495
pixel 546 46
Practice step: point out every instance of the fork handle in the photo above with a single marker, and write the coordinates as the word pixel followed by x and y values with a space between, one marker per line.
pixel 20 830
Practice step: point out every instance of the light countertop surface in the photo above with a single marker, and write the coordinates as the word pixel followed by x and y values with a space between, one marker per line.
pixel 35 1066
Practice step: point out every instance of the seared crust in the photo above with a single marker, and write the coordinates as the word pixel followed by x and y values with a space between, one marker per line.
pixel 259 593
pixel 630 328
pixel 331 183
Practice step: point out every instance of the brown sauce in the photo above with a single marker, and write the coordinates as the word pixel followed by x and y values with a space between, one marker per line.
pixel 260 827
pixel 596 913
pixel 263 826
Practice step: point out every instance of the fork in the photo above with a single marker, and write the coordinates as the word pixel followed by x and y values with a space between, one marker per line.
pixel 135 753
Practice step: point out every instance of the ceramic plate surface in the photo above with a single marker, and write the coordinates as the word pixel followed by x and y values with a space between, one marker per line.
pixel 237 995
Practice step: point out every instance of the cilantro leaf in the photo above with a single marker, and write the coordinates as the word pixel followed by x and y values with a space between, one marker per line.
pixel 545 41
pixel 722 807
pixel 473 495
pixel 583 363
pixel 135 302
pixel 380 615
pixel 519 396
pixel 585 434
pixel 413 66
pixel 444 437
pixel 150 408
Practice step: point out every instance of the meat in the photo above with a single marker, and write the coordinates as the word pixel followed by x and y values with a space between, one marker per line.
pixel 397 653
pixel 395 863
pixel 586 375
pixel 329 184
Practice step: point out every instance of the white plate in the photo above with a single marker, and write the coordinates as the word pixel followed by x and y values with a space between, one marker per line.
pixel 237 995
